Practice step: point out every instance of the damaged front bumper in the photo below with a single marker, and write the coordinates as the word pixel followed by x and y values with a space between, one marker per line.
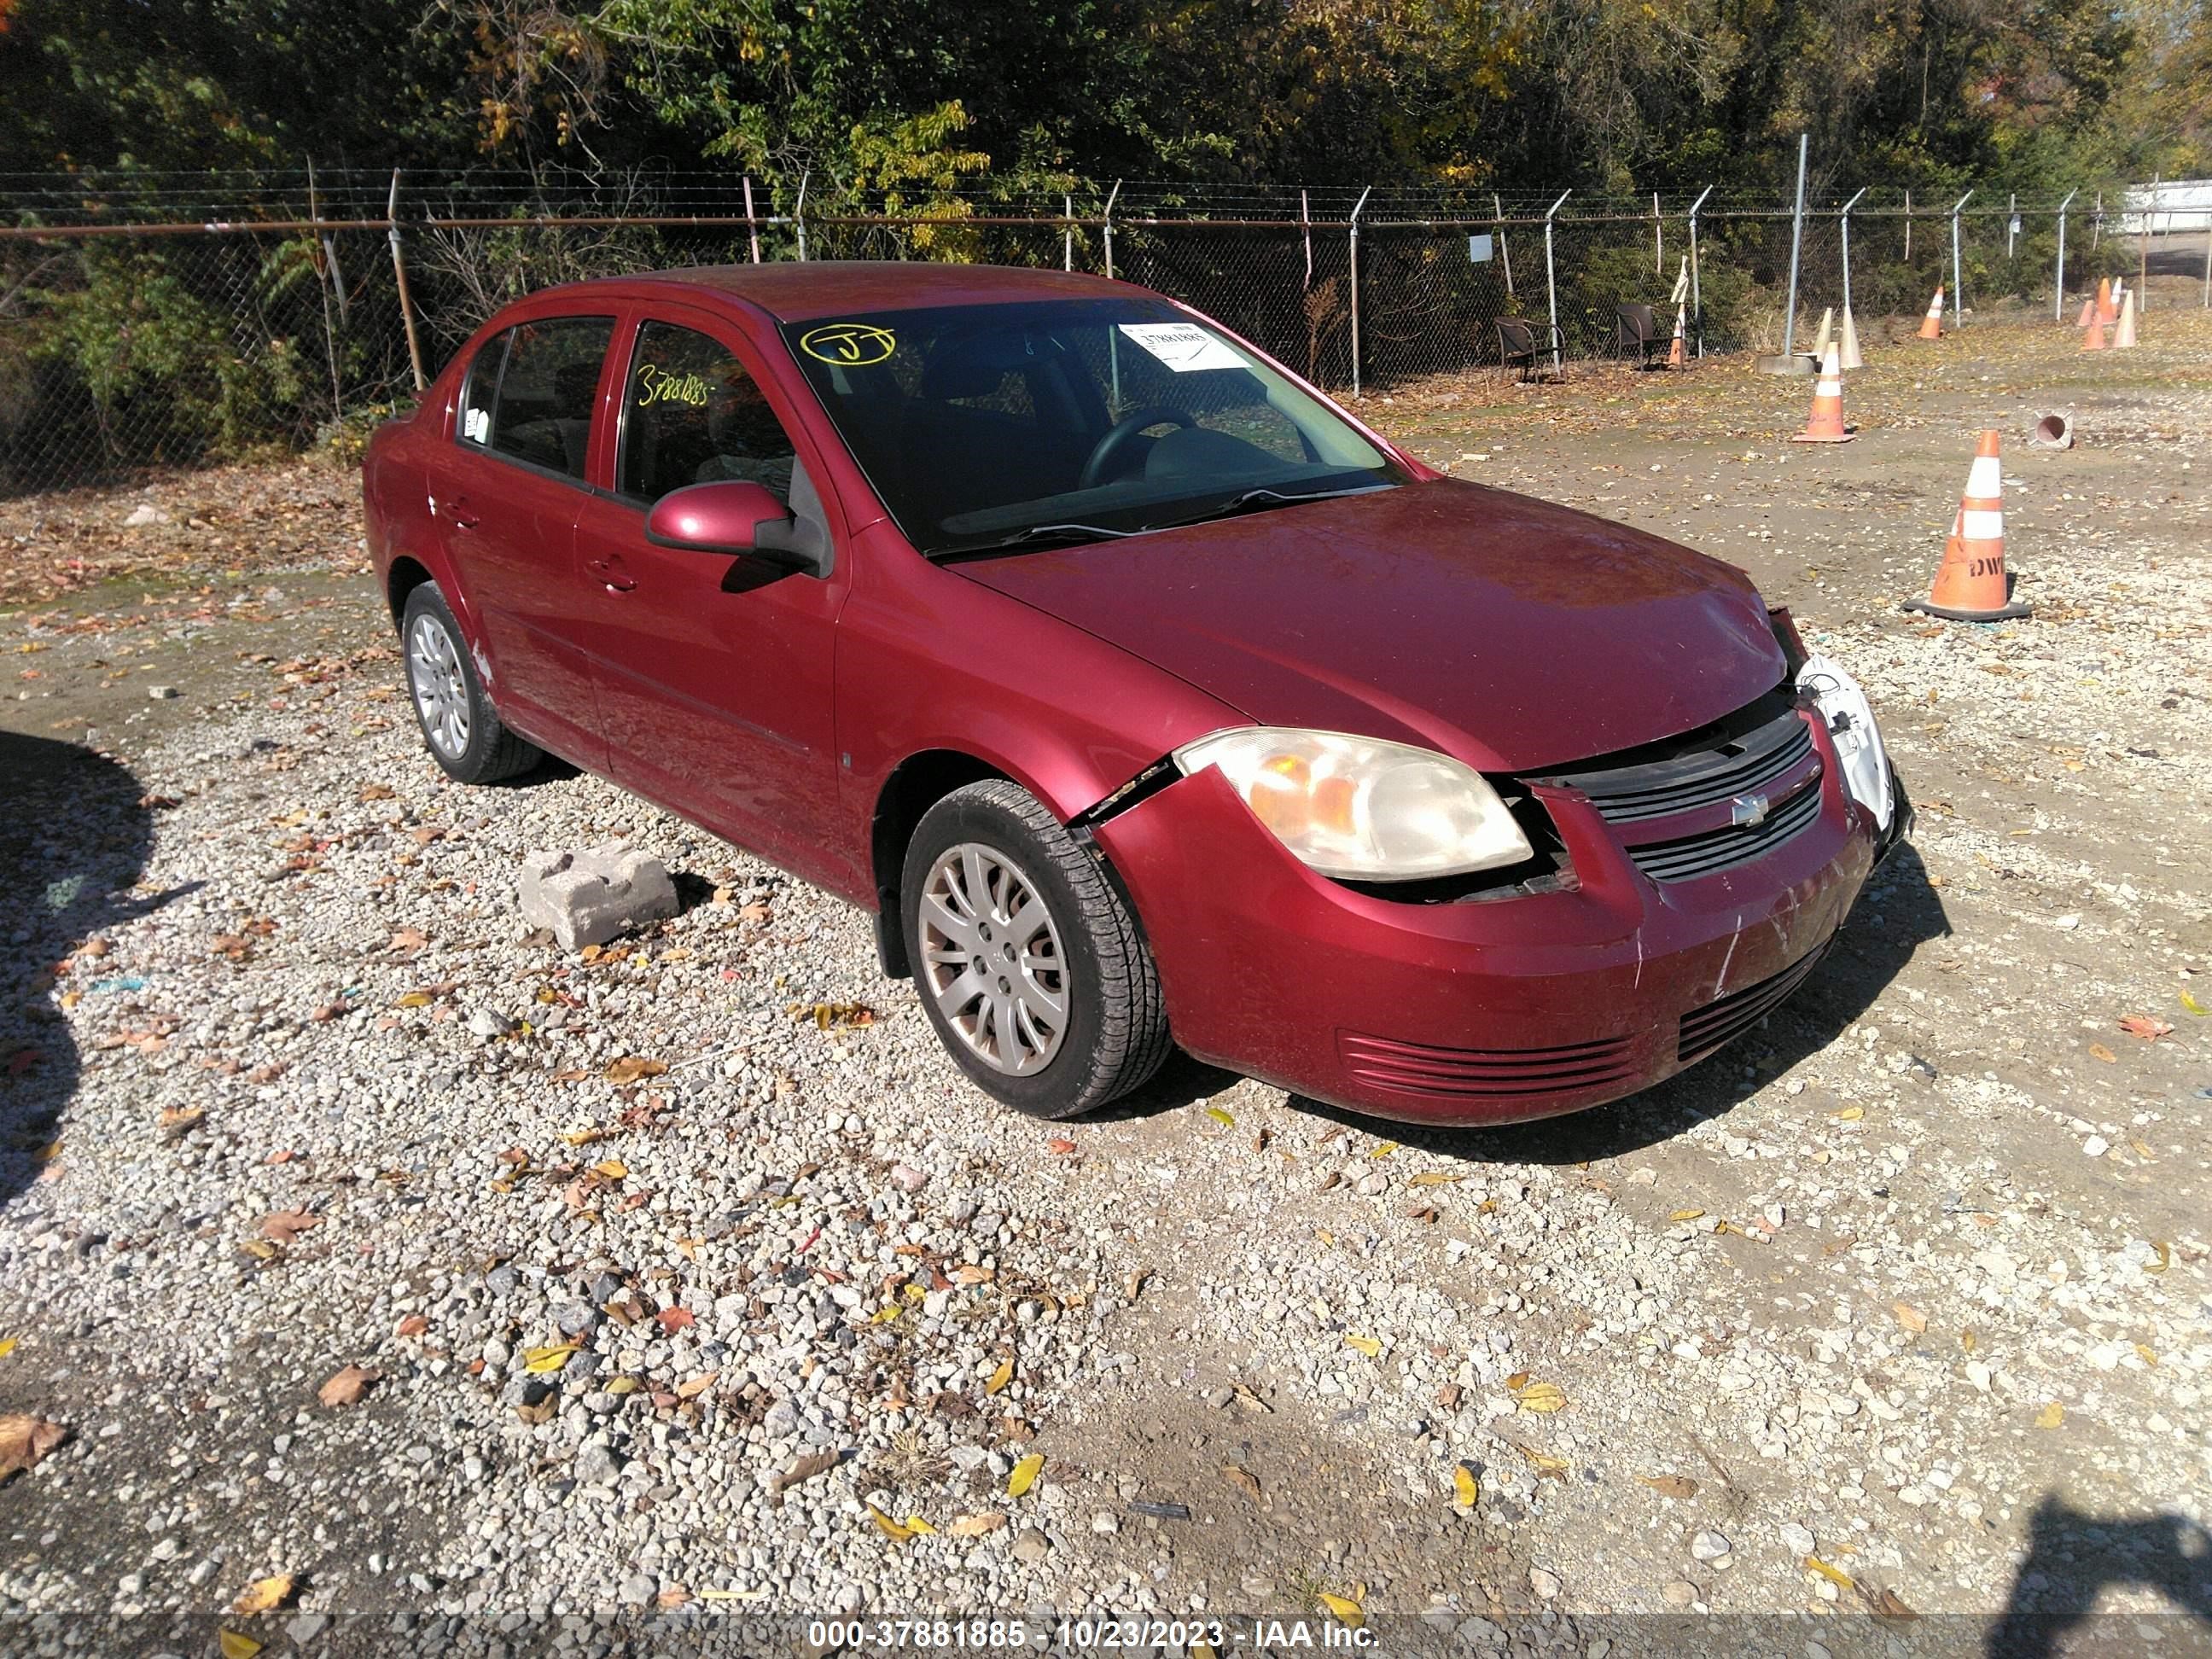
pixel 1470 1012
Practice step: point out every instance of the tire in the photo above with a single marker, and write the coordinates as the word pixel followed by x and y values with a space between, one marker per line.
pixel 460 728
pixel 1112 1033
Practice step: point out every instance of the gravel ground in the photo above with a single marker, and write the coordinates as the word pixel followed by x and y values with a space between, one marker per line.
pixel 690 1278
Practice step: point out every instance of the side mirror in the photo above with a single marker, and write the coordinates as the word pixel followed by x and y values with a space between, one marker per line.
pixel 736 517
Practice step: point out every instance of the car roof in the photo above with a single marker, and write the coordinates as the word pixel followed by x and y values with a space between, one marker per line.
pixel 791 291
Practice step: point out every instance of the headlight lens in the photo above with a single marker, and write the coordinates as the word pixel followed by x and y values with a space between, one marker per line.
pixel 1360 809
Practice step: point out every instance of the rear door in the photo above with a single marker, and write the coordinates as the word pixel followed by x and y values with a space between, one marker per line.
pixel 714 673
pixel 516 481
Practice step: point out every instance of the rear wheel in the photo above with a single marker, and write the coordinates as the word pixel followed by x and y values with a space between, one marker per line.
pixel 460 727
pixel 1028 964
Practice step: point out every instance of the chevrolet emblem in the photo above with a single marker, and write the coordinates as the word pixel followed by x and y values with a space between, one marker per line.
pixel 1748 811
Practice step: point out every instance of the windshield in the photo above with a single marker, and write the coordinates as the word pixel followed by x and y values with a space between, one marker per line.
pixel 992 425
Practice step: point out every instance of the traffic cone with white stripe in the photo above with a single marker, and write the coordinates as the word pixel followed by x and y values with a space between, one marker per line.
pixel 1970 584
pixel 1931 325
pixel 2123 334
pixel 1824 425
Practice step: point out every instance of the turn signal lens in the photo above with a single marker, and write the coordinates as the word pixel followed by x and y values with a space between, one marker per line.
pixel 1360 809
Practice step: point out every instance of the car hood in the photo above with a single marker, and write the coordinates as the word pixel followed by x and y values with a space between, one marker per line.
pixel 1514 632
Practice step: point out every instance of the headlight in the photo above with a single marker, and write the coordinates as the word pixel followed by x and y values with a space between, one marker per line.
pixel 1360 809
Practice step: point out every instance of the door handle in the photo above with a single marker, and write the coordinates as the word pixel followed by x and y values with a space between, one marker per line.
pixel 463 517
pixel 612 572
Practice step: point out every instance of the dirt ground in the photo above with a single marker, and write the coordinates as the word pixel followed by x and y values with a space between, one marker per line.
pixel 1896 1310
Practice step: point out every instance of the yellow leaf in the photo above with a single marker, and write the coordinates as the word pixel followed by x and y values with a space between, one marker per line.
pixel 541 1360
pixel 584 1136
pixel 264 1593
pixel 1024 1475
pixel 1383 1149
pixel 1200 1650
pixel 612 1169
pixel 2051 1416
pixel 235 1645
pixel 1344 1610
pixel 1850 1114
pixel 7 1347
pixel 1434 1178
pixel 885 1315
pixel 1366 1345
pixel 2194 1005
pixel 1000 1377
pixel 1685 1215
pixel 622 1385
pixel 1835 1575
pixel 1467 1491
pixel 1543 1462
pixel 1541 1397
pixel 1908 1316
pixel 2165 1255
pixel 1967 1340
pixel 1221 1117
pixel 1326 1237
pixel 890 1528
pixel 2146 1355
pixel 920 1528
pixel 2099 1051
pixel 414 1000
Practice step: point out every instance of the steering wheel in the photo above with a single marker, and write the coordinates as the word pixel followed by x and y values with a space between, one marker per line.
pixel 1109 449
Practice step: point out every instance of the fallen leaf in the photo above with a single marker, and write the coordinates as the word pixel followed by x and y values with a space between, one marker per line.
pixel 1024 1475
pixel 672 1320
pixel 347 1386
pixel 1000 1377
pixel 632 1068
pixel 1848 1114
pixel 286 1226
pixel 1835 1575
pixel 1517 1382
pixel 920 1528
pixel 619 1386
pixel 1242 1479
pixel 2099 1051
pixel 1685 1215
pixel 1250 1401
pixel 2165 1255
pixel 1434 1178
pixel 235 1645
pixel 805 1469
pixel 1344 1609
pixel 1908 1316
pixel 539 1361
pixel 264 1594
pixel 1059 1148
pixel 1467 1491
pixel 1887 1604
pixel 1366 1345
pixel 1383 1149
pixel 1548 1467
pixel 2194 1005
pixel 2051 1416
pixel 1221 1117
pixel 2143 1026
pixel 977 1525
pixel 1670 1485
pixel 888 1527
pixel 25 1440
pixel 1544 1397
pixel 413 1325
pixel 692 1388
pixel 610 1169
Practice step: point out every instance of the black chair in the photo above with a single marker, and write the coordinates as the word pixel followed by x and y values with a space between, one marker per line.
pixel 1531 345
pixel 1637 333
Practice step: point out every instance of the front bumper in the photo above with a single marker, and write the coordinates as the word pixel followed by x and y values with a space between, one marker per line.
pixel 1468 1013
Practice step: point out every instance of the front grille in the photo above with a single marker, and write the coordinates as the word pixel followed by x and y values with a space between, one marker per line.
pixel 1451 1073
pixel 1728 845
pixel 1704 774
pixel 1721 1021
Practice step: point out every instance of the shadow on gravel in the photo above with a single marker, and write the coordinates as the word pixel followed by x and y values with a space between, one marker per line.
pixel 74 833
pixel 2073 1557
pixel 1865 958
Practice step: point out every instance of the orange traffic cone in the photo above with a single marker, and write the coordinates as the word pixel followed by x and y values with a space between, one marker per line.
pixel 2124 336
pixel 1824 425
pixel 2092 337
pixel 2089 314
pixel 2107 311
pixel 1970 584
pixel 1931 325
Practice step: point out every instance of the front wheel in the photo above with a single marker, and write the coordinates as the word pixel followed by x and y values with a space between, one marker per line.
pixel 460 727
pixel 1028 964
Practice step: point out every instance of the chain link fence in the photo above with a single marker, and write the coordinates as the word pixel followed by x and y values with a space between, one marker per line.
pixel 276 317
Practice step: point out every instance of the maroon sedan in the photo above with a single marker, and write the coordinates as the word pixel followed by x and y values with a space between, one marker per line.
pixel 1144 695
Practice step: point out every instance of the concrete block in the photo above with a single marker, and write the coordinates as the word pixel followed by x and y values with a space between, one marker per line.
pixel 586 898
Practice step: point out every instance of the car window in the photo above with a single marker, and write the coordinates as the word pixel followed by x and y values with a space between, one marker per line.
pixel 979 424
pixel 548 391
pixel 692 414
pixel 481 388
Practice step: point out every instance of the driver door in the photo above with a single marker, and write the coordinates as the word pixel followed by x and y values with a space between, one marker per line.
pixel 712 672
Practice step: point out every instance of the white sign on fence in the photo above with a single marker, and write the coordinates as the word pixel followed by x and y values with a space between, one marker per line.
pixel 1478 250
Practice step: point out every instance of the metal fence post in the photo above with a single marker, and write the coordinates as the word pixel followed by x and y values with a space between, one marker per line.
pixel 1067 235
pixel 399 276
pixel 1696 295
pixel 2207 261
pixel 1356 208
pixel 1552 290
pixel 1796 242
pixel 1957 282
pixel 2058 290
pixel 1504 247
pixel 1658 241
pixel 1109 216
pixel 1843 230
pixel 2012 221
pixel 2142 244
pixel 799 213
pixel 753 226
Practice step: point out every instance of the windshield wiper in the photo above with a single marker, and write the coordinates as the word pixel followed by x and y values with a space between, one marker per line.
pixel 1254 501
pixel 1037 535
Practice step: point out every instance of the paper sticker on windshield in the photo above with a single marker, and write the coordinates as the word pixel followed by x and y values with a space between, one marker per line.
pixel 848 345
pixel 476 425
pixel 1182 346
